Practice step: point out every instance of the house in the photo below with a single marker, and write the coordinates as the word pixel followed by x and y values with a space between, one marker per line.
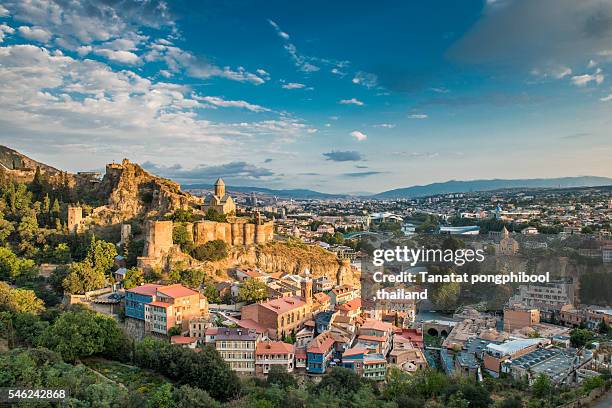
pixel 369 365
pixel 244 274
pixel 342 294
pixel 137 297
pixel 173 305
pixel 406 356
pixel 376 335
pixel 320 353
pixel 351 309
pixel 198 326
pixel 185 342
pixel 237 347
pixel 271 353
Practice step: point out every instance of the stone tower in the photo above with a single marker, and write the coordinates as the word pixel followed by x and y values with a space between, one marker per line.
pixel 75 216
pixel 219 187
pixel 306 290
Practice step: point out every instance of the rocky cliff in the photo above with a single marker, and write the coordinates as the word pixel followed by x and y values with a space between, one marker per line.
pixel 131 192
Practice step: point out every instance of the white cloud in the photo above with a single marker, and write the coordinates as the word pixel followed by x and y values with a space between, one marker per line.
pixel 177 59
pixel 366 79
pixel 123 57
pixel 35 34
pixel 280 32
pixel 418 116
pixel 220 102
pixel 63 100
pixel 5 29
pixel 606 98
pixel 303 62
pixel 552 71
pixel 357 135
pixel 293 85
pixel 583 80
pixel 3 11
pixel 84 50
pixel 352 101
pixel 385 125
pixel 336 71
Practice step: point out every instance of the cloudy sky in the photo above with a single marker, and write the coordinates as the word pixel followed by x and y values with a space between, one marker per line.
pixel 354 96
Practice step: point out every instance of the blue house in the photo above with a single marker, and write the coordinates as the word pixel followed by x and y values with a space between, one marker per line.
pixel 319 353
pixel 136 298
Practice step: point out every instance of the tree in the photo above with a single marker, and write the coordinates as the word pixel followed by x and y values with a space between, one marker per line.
pixel 84 333
pixel 580 337
pixel 82 277
pixel 341 382
pixel 19 300
pixel 603 327
pixel 278 375
pixel 133 277
pixel 213 215
pixel 101 255
pixel 182 236
pixel 542 386
pixel 192 278
pixel 13 267
pixel 252 290
pixel 190 397
pixel 210 251
pixel 212 294
pixel 162 397
pixel 28 328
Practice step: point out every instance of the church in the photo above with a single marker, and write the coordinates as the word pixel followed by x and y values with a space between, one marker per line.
pixel 219 201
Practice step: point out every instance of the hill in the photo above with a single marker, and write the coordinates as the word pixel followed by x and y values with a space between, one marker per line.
pixel 21 167
pixel 455 186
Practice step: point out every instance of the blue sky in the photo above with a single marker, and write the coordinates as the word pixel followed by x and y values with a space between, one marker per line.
pixel 334 96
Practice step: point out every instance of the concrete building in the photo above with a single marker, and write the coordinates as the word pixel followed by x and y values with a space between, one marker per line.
pixel 518 317
pixel 546 296
pixel 496 354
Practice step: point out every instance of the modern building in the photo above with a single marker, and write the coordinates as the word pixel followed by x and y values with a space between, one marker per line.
pixel 372 366
pixel 546 296
pixel 496 354
pixel 173 305
pixel 136 298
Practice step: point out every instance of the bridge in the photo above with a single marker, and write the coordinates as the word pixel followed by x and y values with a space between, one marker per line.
pixel 438 327
pixel 360 234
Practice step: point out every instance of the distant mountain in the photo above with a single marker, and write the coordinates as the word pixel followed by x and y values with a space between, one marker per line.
pixel 454 186
pixel 300 194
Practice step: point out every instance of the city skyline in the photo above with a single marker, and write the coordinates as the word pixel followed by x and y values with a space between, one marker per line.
pixel 348 97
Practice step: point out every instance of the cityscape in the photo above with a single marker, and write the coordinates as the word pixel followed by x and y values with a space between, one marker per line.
pixel 241 204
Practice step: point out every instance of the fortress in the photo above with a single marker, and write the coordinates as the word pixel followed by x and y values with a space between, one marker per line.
pixel 234 232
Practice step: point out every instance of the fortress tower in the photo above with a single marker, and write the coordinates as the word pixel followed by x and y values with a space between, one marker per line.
pixel 75 216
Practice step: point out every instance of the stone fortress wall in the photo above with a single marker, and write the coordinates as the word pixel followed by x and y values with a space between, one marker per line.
pixel 234 232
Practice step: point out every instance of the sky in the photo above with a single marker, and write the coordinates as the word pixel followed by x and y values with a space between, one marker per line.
pixel 339 97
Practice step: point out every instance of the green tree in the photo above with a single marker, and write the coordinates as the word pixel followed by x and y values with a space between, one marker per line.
pixel 213 215
pixel 542 386
pixel 19 300
pixel 182 236
pixel 82 277
pixel 210 251
pixel 252 290
pixel 133 277
pixel 191 397
pixel 278 375
pixel 192 278
pixel 101 255
pixel 162 397
pixel 580 337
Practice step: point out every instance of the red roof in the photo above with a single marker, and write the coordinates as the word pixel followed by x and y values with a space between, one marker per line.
pixel 322 343
pixel 372 338
pixel 251 324
pixel 176 291
pixel 322 297
pixel 354 304
pixel 273 347
pixel 285 304
pixel 160 304
pixel 373 324
pixel 300 353
pixel 183 340
pixel 149 289
pixel 355 351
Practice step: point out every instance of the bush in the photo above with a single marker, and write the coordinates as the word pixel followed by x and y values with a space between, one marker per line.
pixel 210 251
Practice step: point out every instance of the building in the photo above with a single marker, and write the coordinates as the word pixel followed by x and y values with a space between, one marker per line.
pixel 507 246
pixel 219 201
pixel 376 335
pixel 198 326
pixel 136 298
pixel 546 296
pixel 518 317
pixel 271 353
pixel 173 305
pixel 237 347
pixel 282 316
pixel 372 366
pixel 496 354
pixel 464 230
pixel 342 294
pixel 406 355
pixel 319 353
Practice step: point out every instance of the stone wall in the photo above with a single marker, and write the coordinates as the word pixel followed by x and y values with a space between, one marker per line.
pixel 158 240
pixel 236 232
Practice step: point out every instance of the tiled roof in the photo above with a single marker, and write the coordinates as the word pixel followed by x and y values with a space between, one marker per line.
pixel 274 347
pixel 354 351
pixel 354 304
pixel 285 304
pixel 176 291
pixel 160 304
pixel 321 344
pixel 149 289
pixel 373 324
pixel 183 340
